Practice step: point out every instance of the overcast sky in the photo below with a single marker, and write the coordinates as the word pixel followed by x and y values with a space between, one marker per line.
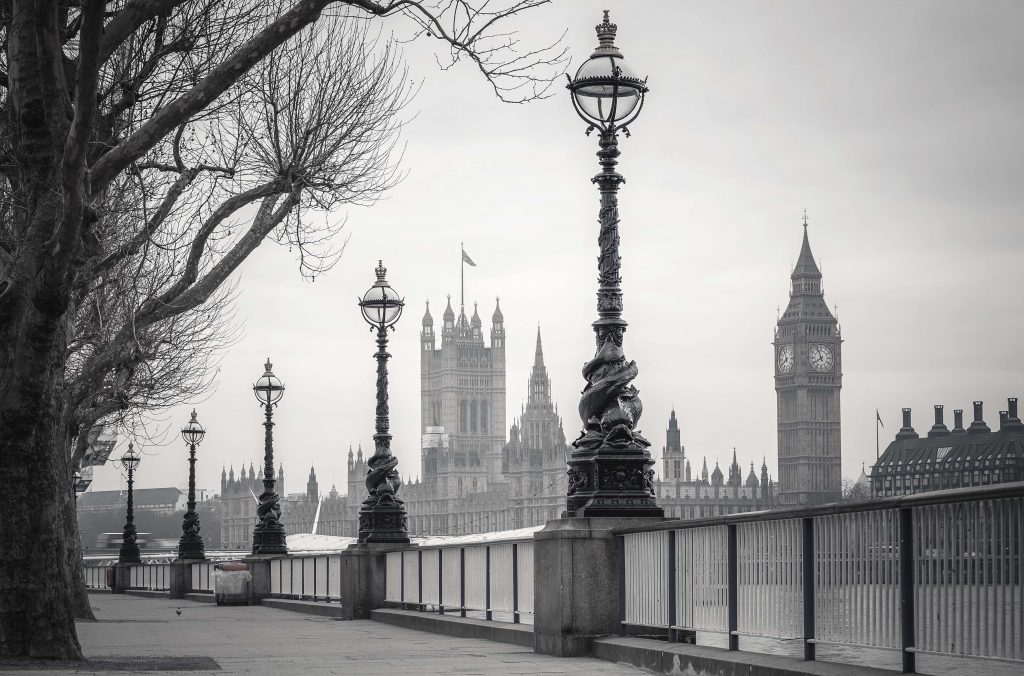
pixel 896 125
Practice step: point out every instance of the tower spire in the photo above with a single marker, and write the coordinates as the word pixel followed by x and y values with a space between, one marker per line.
pixel 538 355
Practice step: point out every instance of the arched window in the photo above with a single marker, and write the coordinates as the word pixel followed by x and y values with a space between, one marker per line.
pixel 483 417
pixel 473 425
pixel 463 416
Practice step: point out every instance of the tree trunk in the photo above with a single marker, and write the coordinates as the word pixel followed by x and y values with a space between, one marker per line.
pixel 36 591
pixel 82 606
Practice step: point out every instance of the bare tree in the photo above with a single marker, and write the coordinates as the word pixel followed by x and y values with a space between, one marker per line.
pixel 148 148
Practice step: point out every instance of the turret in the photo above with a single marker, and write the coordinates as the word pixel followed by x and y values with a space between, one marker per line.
pixel 280 480
pixel 764 472
pixel 716 475
pixel 427 334
pixel 497 326
pixel 735 474
pixel 312 488
pixel 223 480
pixel 476 324
pixel 704 472
pixel 752 478
pixel 448 323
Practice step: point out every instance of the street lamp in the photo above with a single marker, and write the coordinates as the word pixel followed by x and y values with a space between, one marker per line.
pixel 190 546
pixel 129 552
pixel 382 517
pixel 610 467
pixel 268 536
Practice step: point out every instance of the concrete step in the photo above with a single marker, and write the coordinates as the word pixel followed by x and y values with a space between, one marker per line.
pixel 463 627
pixel 201 597
pixel 149 593
pixel 309 607
pixel 662 657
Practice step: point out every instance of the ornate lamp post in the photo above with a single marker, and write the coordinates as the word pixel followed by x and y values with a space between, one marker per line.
pixel 382 517
pixel 268 536
pixel 129 552
pixel 610 468
pixel 190 546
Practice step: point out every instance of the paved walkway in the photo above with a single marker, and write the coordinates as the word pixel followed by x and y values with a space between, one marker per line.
pixel 258 640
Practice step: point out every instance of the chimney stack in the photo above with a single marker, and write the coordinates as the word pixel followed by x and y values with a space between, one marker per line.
pixel 978 426
pixel 907 431
pixel 958 421
pixel 1012 419
pixel 939 429
pixel 1003 416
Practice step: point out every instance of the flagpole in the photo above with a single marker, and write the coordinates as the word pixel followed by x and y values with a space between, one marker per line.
pixel 462 275
pixel 877 420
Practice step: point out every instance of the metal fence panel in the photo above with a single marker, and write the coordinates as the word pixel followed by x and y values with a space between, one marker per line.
pixel 393 576
pixel 968 570
pixel 451 575
pixel 524 562
pixel 646 580
pixel 277 576
pixel 770 578
pixel 411 573
pixel 702 579
pixel 306 578
pixel 320 577
pixel 501 581
pixel 476 578
pixel 857 578
pixel 431 582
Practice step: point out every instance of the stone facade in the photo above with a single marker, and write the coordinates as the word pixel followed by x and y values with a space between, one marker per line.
pixel 808 379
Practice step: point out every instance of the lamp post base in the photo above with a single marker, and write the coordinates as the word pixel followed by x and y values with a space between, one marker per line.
pixel 129 553
pixel 191 548
pixel 269 540
pixel 380 524
pixel 611 483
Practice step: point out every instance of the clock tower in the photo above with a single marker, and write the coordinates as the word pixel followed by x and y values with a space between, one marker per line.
pixel 808 378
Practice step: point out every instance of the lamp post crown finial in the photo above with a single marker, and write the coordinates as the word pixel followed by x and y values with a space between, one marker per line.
pixel 606 32
pixel 268 366
pixel 381 270
pixel 193 416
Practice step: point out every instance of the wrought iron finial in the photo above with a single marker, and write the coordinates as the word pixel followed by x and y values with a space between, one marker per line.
pixel 805 218
pixel 269 367
pixel 606 31
pixel 193 416
pixel 381 270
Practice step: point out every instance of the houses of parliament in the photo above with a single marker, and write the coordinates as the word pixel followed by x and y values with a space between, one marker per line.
pixel 473 478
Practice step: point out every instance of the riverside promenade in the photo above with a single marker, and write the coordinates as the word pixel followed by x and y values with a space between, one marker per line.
pixel 135 634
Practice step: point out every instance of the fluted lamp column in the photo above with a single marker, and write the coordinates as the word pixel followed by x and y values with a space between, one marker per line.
pixel 269 535
pixel 129 552
pixel 190 546
pixel 382 517
pixel 610 467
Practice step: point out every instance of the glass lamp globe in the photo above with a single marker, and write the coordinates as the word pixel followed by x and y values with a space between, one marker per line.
pixel 268 389
pixel 193 432
pixel 130 459
pixel 381 305
pixel 606 92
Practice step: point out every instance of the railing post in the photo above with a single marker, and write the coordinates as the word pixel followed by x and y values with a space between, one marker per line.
pixel 622 584
pixel 732 571
pixel 462 581
pixel 809 587
pixel 419 582
pixel 440 581
pixel 907 589
pixel 672 632
pixel 314 578
pixel 515 583
pixel 487 583
pixel 302 578
pixel 401 580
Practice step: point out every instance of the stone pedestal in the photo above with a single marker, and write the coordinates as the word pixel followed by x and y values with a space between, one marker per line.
pixel 576 585
pixel 122 577
pixel 259 568
pixel 181 578
pixel 363 570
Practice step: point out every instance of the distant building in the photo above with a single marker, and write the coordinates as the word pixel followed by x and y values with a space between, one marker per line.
pixel 975 456
pixel 159 500
pixel 808 379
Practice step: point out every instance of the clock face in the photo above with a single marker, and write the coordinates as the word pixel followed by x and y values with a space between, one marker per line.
pixel 821 358
pixel 785 359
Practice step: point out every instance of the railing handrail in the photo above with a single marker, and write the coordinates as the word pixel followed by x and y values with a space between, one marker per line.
pixel 948 496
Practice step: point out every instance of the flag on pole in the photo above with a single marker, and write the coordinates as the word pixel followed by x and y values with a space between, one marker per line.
pixel 879 418
pixel 467 259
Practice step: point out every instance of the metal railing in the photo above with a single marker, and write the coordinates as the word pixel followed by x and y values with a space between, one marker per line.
pixel 202 576
pixel 487 581
pixel 939 572
pixel 314 578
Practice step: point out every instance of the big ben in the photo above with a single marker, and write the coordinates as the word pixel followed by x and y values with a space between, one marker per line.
pixel 808 379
